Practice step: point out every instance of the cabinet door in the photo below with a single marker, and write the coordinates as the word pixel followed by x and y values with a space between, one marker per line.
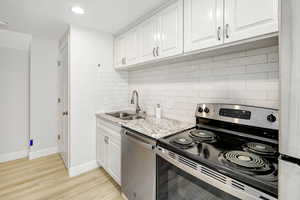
pixel 120 51
pixel 101 149
pixel 249 18
pixel 114 159
pixel 148 39
pixel 203 24
pixel 170 38
pixel 132 51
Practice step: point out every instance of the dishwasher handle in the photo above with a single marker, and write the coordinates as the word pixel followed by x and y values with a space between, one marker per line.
pixel 139 140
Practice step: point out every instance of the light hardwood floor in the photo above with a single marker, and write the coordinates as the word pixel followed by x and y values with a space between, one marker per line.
pixel 47 179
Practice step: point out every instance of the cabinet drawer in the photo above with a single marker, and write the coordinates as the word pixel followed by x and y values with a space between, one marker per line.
pixel 110 133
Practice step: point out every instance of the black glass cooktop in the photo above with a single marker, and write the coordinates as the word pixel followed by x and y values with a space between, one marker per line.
pixel 249 160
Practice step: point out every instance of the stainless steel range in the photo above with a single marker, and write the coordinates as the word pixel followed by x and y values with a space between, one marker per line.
pixel 232 153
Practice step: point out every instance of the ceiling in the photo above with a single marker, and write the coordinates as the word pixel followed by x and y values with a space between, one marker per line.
pixel 50 18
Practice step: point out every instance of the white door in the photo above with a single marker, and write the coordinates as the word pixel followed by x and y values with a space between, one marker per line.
pixel 63 104
pixel 148 39
pixel 203 24
pixel 114 160
pixel 101 148
pixel 249 18
pixel 170 30
pixel 132 51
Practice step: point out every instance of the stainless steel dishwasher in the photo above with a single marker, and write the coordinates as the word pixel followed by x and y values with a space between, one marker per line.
pixel 138 166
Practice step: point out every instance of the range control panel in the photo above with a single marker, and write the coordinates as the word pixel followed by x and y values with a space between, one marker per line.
pixel 240 114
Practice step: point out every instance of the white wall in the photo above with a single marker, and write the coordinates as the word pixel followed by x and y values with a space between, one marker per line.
pixel 92 89
pixel 43 94
pixel 14 118
pixel 247 77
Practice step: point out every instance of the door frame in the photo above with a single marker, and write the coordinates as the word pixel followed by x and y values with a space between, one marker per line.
pixel 64 45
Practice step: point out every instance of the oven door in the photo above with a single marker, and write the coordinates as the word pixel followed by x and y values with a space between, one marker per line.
pixel 175 184
pixel 179 178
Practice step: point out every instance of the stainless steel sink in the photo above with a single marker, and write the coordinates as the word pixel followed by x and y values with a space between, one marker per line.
pixel 125 115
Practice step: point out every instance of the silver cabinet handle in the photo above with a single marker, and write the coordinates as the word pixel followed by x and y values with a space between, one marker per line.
pixel 157 51
pixel 153 51
pixel 227 31
pixel 106 139
pixel 219 33
pixel 123 61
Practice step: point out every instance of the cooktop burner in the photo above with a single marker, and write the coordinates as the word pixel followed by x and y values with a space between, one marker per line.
pixel 202 135
pixel 245 159
pixel 182 142
pixel 260 148
pixel 236 140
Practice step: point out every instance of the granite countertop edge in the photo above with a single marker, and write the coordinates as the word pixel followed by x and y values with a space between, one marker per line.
pixel 150 126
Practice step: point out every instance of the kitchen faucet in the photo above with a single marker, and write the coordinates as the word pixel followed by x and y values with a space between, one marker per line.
pixel 137 108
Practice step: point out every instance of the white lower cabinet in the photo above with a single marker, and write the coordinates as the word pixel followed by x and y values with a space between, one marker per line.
pixel 114 159
pixel 109 148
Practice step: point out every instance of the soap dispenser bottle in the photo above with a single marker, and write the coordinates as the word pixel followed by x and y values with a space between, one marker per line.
pixel 158 111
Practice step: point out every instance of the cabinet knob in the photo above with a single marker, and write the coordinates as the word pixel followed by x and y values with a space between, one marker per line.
pixel 123 61
pixel 219 33
pixel 227 31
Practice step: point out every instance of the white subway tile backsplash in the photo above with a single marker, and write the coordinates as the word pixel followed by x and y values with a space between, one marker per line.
pixel 273 57
pixel 246 77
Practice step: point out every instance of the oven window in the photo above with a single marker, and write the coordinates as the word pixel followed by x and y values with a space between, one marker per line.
pixel 175 184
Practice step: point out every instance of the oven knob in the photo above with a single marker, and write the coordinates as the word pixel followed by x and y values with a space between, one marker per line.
pixel 200 109
pixel 271 118
pixel 206 110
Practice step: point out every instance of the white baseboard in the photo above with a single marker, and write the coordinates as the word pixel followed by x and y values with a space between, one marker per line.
pixel 80 169
pixel 123 195
pixel 42 153
pixel 13 156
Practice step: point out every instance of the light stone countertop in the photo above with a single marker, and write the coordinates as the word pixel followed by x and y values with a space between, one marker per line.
pixel 156 128
pixel 150 126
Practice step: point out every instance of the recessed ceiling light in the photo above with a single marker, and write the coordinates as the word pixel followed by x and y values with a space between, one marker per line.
pixel 4 23
pixel 78 10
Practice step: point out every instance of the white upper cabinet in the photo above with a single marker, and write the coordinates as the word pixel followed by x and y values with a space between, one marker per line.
pixel 203 24
pixel 120 51
pixel 186 26
pixel 249 18
pixel 170 31
pixel 148 39
pixel 132 50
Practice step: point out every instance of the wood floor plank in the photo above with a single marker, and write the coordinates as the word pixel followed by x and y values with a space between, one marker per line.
pixel 47 179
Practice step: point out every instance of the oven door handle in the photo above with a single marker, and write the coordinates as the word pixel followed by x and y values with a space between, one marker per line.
pixel 138 140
